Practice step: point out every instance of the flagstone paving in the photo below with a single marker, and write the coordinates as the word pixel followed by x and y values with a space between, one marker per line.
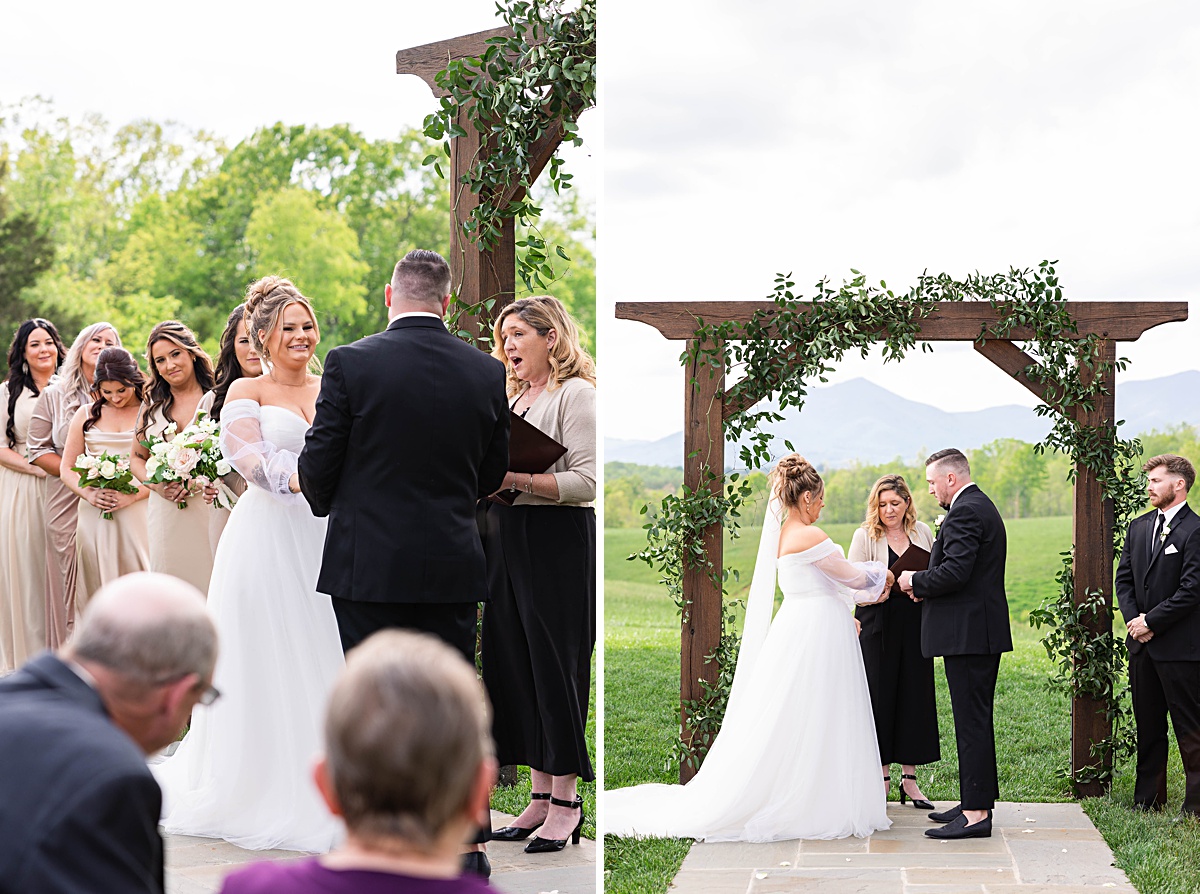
pixel 198 865
pixel 1034 849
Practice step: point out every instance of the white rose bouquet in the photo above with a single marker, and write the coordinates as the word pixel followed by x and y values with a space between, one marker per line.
pixel 106 470
pixel 192 457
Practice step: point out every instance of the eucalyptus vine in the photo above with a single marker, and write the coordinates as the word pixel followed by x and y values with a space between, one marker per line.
pixel 525 88
pixel 783 348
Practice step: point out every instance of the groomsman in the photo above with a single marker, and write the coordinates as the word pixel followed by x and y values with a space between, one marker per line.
pixel 1158 589
pixel 964 617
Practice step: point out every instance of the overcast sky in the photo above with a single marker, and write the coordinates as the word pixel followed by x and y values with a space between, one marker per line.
pixel 763 137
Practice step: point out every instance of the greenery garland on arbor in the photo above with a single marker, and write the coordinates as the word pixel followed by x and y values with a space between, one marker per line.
pixel 524 88
pixel 784 347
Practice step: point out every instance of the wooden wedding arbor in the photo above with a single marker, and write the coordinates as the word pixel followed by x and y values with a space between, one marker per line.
pixel 478 274
pixel 707 405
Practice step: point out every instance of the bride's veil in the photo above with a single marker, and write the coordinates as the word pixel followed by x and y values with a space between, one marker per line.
pixel 762 597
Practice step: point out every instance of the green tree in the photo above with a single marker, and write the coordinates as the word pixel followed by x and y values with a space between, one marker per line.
pixel 1011 472
pixel 26 252
pixel 289 234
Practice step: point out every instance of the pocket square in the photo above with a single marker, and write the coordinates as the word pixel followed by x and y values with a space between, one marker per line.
pixel 1170 550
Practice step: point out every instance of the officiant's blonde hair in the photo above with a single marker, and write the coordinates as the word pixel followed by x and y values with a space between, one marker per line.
pixel 898 486
pixel 568 358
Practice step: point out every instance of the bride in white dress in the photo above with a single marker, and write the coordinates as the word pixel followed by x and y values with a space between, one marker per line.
pixel 243 772
pixel 796 756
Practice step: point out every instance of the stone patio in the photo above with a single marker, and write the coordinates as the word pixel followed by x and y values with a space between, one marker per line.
pixel 198 865
pixel 1034 849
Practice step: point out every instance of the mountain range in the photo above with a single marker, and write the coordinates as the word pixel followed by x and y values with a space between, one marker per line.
pixel 859 420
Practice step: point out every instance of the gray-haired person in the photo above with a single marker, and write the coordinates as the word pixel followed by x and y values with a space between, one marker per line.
pixel 409 767
pixel 79 809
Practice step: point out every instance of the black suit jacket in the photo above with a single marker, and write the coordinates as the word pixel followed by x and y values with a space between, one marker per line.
pixel 411 430
pixel 79 809
pixel 965 610
pixel 1166 588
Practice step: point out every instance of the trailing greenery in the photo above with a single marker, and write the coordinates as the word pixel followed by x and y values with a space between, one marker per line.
pixel 525 87
pixel 783 348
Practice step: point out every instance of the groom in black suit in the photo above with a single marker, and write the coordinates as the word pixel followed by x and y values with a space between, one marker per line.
pixel 411 429
pixel 964 617
pixel 1158 589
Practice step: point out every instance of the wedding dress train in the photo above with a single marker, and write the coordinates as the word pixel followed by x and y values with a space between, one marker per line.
pixel 796 756
pixel 243 771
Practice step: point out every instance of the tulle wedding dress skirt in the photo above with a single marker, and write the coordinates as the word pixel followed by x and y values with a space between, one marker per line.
pixel 797 755
pixel 244 770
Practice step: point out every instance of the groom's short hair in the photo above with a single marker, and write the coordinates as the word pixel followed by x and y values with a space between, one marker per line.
pixel 421 276
pixel 406 733
pixel 952 459
pixel 1175 465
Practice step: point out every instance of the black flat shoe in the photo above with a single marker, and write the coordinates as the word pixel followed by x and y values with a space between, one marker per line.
pixel 958 829
pixel 550 845
pixel 477 863
pixel 946 816
pixel 919 803
pixel 520 833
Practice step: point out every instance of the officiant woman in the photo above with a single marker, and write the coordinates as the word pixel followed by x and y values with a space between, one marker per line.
pixel 539 626
pixel 899 676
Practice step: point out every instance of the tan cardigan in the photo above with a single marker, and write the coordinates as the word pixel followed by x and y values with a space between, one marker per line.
pixel 864 549
pixel 568 414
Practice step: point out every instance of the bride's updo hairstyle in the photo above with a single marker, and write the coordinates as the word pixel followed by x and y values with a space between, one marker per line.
pixel 266 300
pixel 792 478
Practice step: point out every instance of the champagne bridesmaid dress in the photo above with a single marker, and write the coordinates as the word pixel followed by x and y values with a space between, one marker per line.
pixel 108 548
pixel 22 545
pixel 179 537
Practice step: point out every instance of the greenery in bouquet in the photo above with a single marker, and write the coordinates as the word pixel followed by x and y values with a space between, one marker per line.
pixel 107 470
pixel 192 457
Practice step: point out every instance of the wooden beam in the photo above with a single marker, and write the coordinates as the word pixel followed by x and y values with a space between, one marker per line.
pixel 703 445
pixel 428 59
pixel 1014 361
pixel 952 321
pixel 478 275
pixel 1092 535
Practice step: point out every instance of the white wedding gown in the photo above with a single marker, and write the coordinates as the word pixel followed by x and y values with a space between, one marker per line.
pixel 244 770
pixel 796 756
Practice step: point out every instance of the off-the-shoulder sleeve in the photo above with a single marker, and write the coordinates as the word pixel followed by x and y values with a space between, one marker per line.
pixel 861 582
pixel 260 462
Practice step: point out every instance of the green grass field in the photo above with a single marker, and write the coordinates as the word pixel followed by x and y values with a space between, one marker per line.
pixel 641 637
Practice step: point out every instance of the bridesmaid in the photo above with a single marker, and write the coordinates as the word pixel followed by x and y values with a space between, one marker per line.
pixel 33 357
pixel 107 548
pixel 52 417
pixel 180 373
pixel 237 360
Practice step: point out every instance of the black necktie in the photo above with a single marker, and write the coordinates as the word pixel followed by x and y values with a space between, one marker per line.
pixel 1158 526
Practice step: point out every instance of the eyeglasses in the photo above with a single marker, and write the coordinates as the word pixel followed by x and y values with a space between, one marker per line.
pixel 209 695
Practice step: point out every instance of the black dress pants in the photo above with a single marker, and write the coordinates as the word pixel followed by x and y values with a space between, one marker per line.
pixel 453 623
pixel 972 683
pixel 1160 688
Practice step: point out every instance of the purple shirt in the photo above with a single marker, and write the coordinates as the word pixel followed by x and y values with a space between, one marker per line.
pixel 310 877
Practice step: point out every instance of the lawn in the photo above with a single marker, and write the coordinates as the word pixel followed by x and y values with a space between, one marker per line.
pixel 641 640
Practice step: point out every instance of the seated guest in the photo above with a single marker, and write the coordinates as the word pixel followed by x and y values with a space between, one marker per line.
pixel 78 807
pixel 408 765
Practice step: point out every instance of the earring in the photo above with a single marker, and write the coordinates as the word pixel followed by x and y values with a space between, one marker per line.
pixel 25 366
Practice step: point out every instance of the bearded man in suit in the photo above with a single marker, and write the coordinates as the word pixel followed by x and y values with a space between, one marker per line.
pixel 964 618
pixel 1158 589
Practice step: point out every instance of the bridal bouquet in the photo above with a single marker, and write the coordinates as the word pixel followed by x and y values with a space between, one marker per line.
pixel 106 470
pixel 191 457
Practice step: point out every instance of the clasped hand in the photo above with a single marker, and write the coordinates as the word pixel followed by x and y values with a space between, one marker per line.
pixel 1138 630
pixel 905 582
